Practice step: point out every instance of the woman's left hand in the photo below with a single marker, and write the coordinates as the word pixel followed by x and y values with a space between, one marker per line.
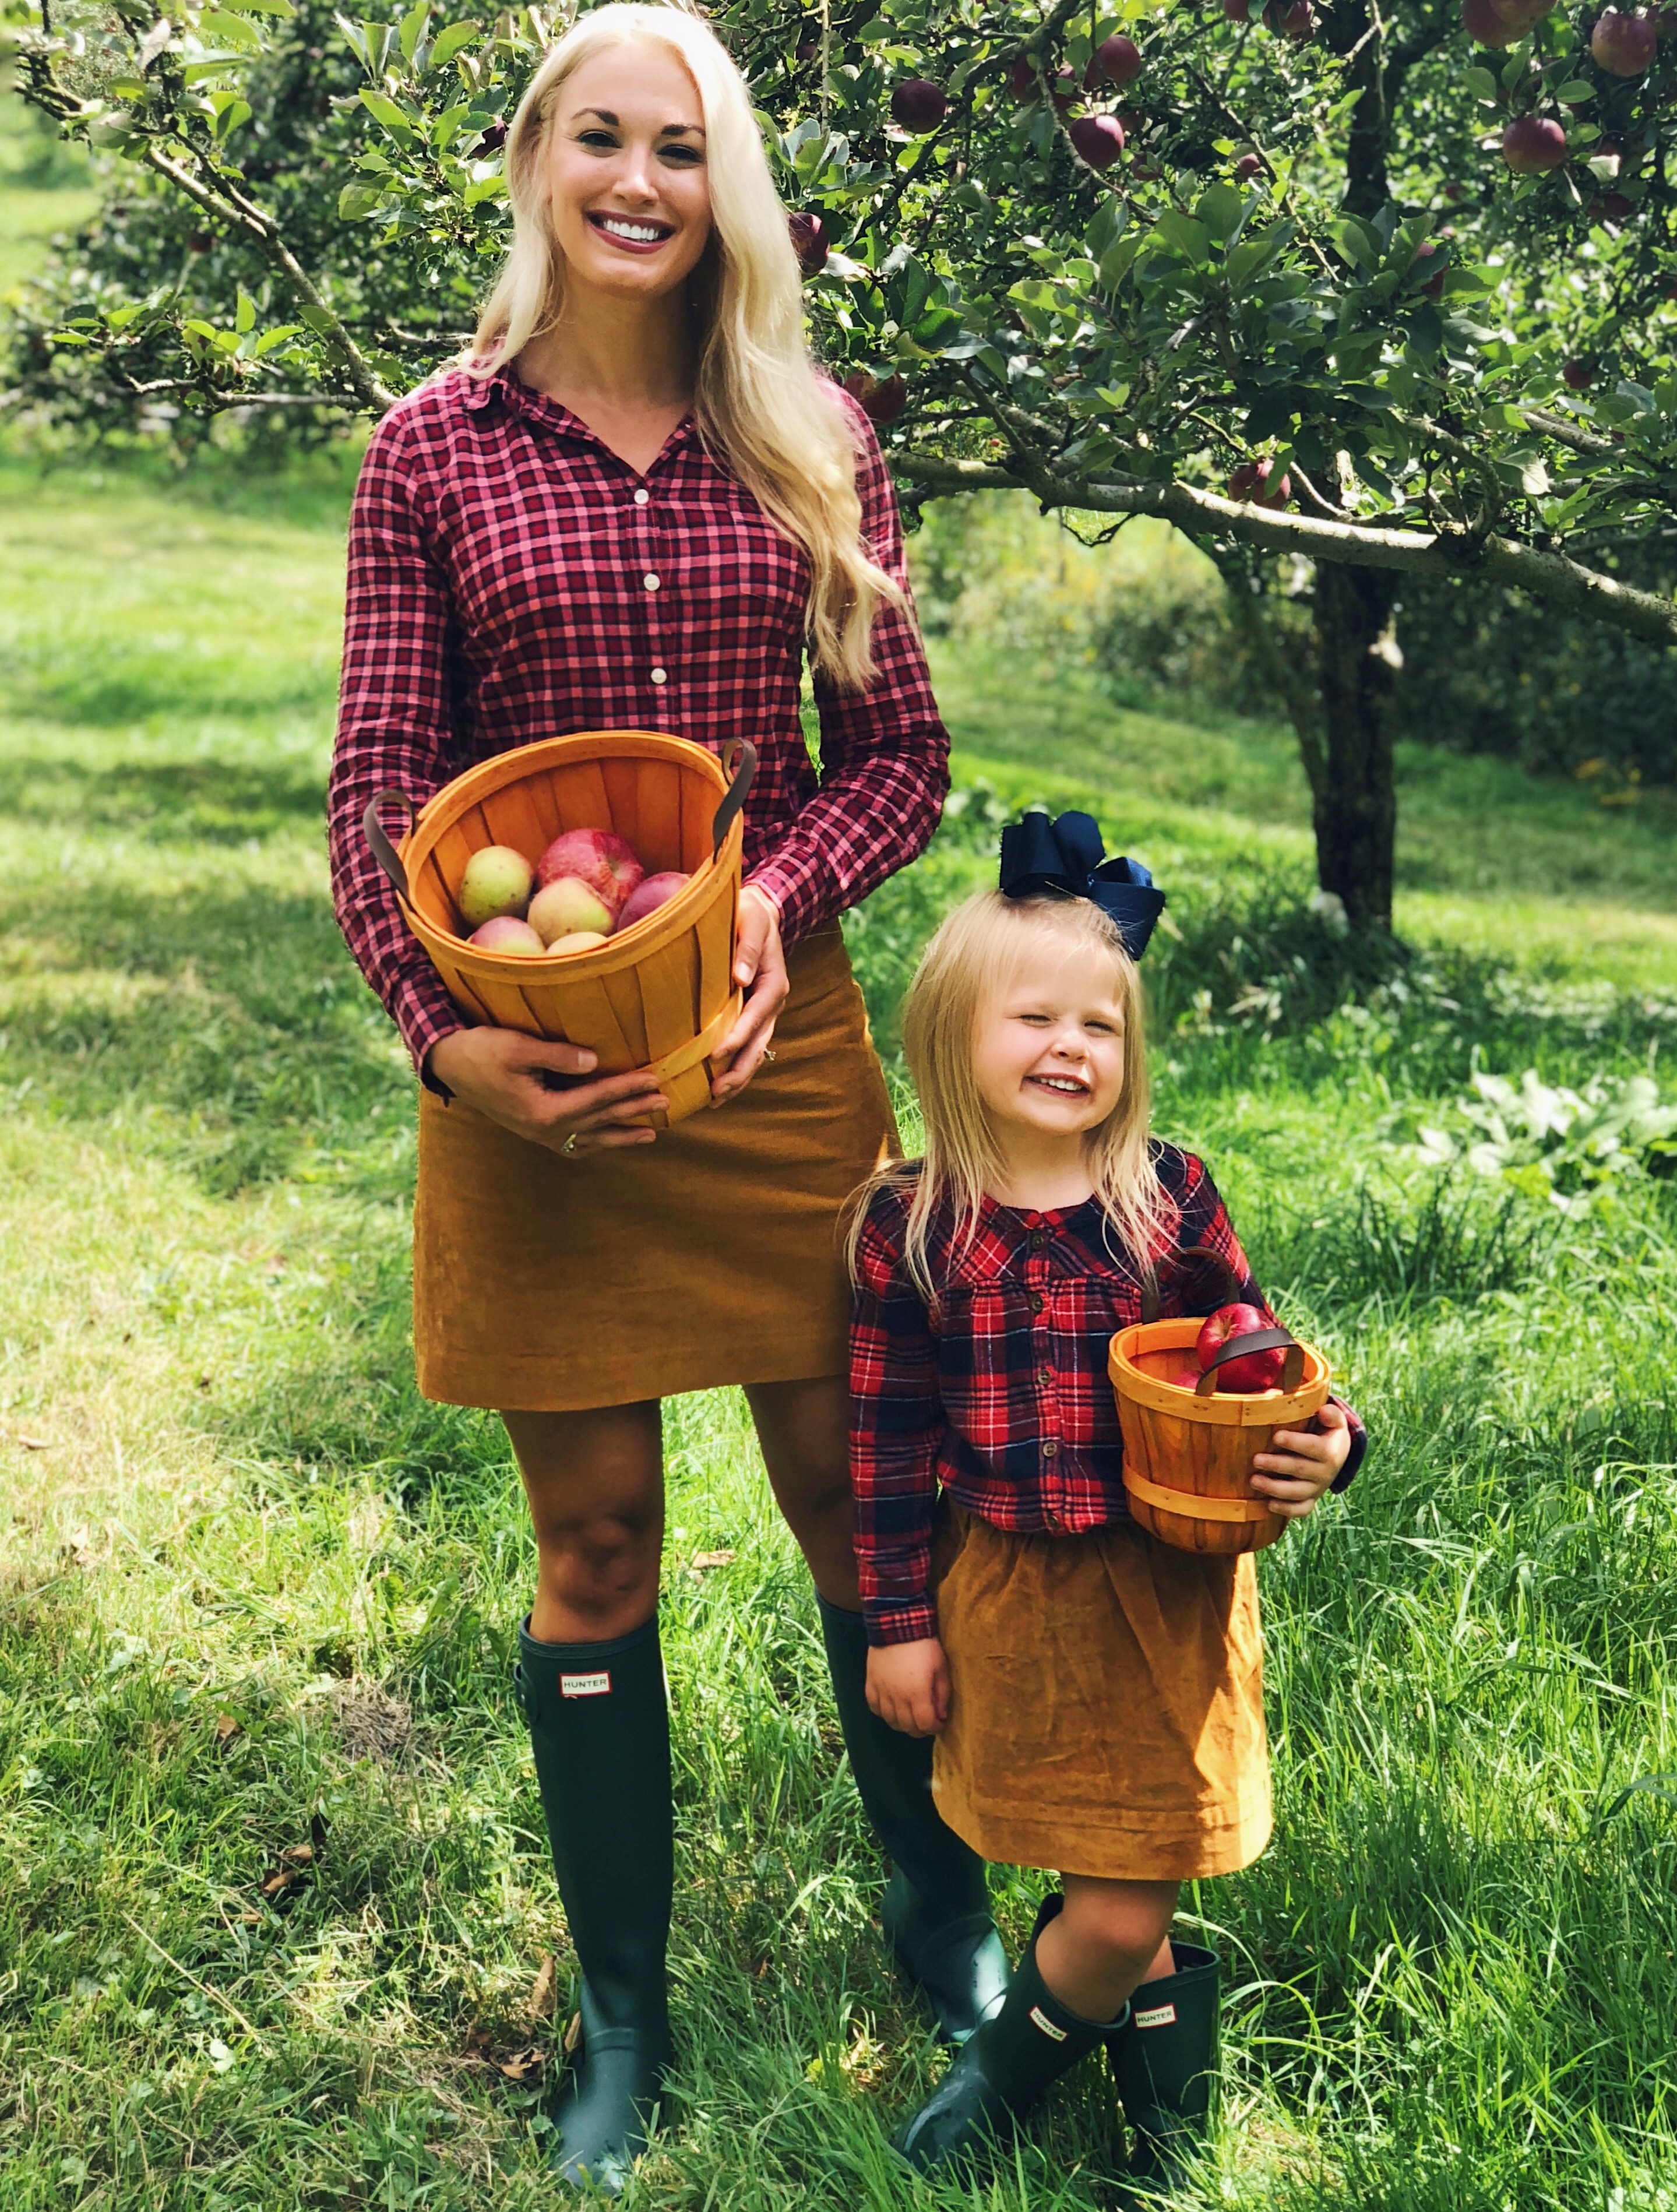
pixel 1298 1467
pixel 759 965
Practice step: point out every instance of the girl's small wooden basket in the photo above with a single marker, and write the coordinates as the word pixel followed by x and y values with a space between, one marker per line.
pixel 660 994
pixel 1188 1454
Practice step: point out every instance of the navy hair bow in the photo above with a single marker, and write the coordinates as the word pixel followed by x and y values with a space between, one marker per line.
pixel 1038 855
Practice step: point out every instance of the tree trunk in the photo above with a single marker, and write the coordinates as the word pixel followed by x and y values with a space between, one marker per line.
pixel 1354 794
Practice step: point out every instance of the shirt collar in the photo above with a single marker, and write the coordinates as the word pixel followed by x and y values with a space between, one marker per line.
pixel 506 388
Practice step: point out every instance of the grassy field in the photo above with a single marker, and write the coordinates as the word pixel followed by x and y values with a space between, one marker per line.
pixel 275 1915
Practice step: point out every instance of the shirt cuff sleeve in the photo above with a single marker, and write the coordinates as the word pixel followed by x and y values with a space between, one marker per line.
pixel 424 1014
pixel 1359 1445
pixel 805 890
pixel 899 1620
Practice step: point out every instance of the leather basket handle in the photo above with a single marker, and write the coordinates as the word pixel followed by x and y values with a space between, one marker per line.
pixel 1199 1254
pixel 1257 1340
pixel 383 851
pixel 739 765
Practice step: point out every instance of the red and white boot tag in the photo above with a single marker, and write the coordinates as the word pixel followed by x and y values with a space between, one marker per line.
pixel 585 1686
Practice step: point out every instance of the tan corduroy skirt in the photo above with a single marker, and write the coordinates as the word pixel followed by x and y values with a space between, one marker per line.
pixel 711 1256
pixel 1106 1715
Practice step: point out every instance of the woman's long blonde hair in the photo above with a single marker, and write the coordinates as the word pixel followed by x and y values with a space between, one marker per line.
pixel 760 405
pixel 970 962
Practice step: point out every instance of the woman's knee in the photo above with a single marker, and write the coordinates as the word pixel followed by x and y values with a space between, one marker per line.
pixel 594 1483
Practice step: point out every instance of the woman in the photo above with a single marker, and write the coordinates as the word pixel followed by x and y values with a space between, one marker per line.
pixel 637 505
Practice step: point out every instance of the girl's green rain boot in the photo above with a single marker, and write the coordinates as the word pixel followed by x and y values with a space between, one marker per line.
pixel 1164 2061
pixel 1000 2072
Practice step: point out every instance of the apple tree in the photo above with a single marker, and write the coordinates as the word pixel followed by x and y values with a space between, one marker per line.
pixel 1350 293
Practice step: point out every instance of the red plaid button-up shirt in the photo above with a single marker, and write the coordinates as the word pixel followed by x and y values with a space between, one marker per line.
pixel 510 579
pixel 997 1391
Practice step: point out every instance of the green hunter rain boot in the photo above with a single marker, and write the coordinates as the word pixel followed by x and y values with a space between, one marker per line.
pixel 936 1912
pixel 1000 2072
pixel 600 1730
pixel 1164 2061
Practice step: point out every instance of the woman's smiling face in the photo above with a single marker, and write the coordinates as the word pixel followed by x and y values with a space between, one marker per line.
pixel 629 194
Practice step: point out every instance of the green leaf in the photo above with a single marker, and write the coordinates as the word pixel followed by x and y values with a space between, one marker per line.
pixel 413 27
pixel 1575 91
pixel 1222 210
pixel 1482 81
pixel 259 7
pixel 1247 259
pixel 318 321
pixel 357 200
pixel 219 28
pixel 450 41
pixel 244 317
pixel 487 188
pixel 1181 234
pixel 386 111
pixel 270 339
pixel 229 118
pixel 1115 263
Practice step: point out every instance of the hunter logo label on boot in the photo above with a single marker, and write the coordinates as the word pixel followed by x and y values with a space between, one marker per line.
pixel 1157 2016
pixel 1040 2019
pixel 585 1686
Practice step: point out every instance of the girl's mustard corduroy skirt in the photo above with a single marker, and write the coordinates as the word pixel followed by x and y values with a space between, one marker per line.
pixel 1106 1714
pixel 712 1256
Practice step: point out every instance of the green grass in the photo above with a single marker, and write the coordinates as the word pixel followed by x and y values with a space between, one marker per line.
pixel 258 1596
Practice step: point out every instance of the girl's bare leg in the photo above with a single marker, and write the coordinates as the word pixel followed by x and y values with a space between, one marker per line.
pixel 1111 1937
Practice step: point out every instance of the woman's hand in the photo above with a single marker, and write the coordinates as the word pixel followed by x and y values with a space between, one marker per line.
pixel 537 1090
pixel 759 965
pixel 908 1685
pixel 1298 1467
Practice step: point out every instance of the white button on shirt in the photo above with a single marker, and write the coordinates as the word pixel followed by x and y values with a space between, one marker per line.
pixel 651 582
pixel 660 676
pixel 641 498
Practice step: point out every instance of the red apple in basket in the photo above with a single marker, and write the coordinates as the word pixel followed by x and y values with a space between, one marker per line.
pixel 1187 1380
pixel 504 933
pixel 562 907
pixel 605 863
pixel 649 894
pixel 580 940
pixel 497 881
pixel 1254 1370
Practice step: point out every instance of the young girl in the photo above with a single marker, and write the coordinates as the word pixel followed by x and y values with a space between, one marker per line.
pixel 1097 1698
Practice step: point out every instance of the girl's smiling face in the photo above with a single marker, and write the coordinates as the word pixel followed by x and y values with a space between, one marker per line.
pixel 628 188
pixel 1048 1045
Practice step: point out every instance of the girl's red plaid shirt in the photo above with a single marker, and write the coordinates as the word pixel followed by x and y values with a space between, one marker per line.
pixel 510 578
pixel 996 1390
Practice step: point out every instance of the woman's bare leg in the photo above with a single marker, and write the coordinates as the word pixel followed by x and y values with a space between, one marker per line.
pixel 804 1429
pixel 595 1484
pixel 1110 1938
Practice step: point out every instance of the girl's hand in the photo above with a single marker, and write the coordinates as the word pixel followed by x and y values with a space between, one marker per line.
pixel 1298 1467
pixel 908 1685
pixel 759 965
pixel 538 1090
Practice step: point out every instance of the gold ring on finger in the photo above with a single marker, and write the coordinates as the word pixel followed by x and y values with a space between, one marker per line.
pixel 569 1145
pixel 767 1053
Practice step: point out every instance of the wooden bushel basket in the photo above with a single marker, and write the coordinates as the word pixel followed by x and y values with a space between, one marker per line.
pixel 1188 1454
pixel 660 994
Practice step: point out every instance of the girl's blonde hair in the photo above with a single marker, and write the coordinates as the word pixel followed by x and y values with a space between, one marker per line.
pixel 969 963
pixel 760 405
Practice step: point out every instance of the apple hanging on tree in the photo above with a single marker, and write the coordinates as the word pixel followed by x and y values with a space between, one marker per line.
pixel 918 105
pixel 1623 45
pixel 809 241
pixel 1533 144
pixel 1250 481
pixel 1117 59
pixel 1098 138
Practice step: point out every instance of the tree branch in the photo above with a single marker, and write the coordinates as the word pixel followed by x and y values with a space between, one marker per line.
pixel 1548 576
pixel 231 206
